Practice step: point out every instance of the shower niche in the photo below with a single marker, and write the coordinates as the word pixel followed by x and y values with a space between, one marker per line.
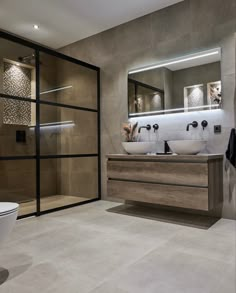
pixel 49 128
pixel 18 80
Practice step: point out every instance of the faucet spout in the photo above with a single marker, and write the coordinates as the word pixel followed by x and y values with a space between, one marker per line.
pixel 194 124
pixel 148 127
pixel 187 128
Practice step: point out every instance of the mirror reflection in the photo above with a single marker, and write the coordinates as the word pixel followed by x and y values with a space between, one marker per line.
pixel 190 83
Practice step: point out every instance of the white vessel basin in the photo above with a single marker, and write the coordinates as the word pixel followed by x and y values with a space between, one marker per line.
pixel 139 147
pixel 187 147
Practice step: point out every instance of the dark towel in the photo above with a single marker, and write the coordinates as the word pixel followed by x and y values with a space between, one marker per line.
pixel 231 151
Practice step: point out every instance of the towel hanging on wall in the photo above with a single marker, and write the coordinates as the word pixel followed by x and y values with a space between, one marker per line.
pixel 231 151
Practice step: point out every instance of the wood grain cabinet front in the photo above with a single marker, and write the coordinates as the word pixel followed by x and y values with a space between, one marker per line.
pixel 162 172
pixel 193 184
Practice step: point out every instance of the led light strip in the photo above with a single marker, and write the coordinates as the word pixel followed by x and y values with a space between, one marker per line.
pixel 55 124
pixel 56 89
pixel 176 61
pixel 174 110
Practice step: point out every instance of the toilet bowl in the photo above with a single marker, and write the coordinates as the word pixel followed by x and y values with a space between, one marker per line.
pixel 8 215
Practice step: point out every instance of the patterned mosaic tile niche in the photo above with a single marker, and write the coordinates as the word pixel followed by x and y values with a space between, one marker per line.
pixel 16 82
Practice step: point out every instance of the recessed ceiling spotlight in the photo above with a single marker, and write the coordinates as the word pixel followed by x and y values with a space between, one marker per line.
pixel 35 26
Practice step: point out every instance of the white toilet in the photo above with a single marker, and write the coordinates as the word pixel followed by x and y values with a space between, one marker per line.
pixel 8 215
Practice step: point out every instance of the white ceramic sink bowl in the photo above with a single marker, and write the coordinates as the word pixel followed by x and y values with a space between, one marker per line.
pixel 186 147
pixel 139 147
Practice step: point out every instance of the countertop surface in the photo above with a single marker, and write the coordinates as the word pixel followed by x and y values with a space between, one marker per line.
pixel 174 158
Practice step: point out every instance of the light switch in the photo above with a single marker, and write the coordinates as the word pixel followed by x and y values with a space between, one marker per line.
pixel 217 128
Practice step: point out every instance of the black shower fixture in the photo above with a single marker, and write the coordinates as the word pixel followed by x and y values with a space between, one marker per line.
pixel 29 59
pixel 155 127
pixel 204 124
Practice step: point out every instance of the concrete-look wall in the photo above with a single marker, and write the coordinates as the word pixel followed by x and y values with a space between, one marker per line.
pixel 187 27
pixel 150 77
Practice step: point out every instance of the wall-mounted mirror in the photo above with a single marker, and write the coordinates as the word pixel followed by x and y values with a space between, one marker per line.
pixel 189 83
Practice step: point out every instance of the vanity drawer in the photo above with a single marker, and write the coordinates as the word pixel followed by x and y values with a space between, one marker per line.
pixel 191 174
pixel 170 195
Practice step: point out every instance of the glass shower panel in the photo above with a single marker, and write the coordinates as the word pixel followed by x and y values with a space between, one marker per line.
pixel 18 184
pixel 64 153
pixel 67 181
pixel 65 82
pixel 17 131
pixel 66 131
pixel 17 70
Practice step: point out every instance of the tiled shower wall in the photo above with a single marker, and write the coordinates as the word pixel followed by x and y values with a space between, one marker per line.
pixel 187 27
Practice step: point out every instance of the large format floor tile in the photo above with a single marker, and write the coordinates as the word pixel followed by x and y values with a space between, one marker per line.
pixel 168 270
pixel 89 250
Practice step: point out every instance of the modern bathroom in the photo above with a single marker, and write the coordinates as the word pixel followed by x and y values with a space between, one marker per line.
pixel 118 147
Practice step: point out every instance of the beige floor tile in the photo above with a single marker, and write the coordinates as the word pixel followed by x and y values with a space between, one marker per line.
pixel 166 271
pixel 206 244
pixel 89 250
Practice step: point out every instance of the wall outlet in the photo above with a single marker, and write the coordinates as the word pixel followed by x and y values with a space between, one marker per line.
pixel 217 128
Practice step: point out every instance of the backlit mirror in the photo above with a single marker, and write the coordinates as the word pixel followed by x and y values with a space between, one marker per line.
pixel 189 83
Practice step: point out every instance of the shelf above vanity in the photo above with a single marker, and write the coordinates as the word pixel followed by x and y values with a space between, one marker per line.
pixel 192 181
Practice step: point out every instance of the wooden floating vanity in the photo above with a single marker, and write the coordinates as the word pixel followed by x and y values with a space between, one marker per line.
pixel 192 182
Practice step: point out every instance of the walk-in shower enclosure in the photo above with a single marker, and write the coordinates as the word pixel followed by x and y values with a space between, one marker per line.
pixel 49 128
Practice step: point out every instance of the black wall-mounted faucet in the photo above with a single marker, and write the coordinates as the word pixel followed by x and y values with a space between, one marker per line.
pixel 155 127
pixel 194 124
pixel 204 124
pixel 148 127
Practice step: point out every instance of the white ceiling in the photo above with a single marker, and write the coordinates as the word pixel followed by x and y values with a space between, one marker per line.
pixel 66 21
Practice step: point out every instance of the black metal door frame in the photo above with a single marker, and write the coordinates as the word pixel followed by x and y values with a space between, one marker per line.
pixel 38 157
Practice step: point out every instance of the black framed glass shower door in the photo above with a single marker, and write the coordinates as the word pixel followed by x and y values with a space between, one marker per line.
pixel 51 132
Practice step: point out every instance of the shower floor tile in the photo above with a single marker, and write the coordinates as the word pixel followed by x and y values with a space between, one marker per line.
pixel 50 202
